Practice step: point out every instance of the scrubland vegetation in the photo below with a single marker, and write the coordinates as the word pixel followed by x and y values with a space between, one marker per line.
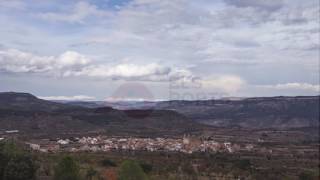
pixel 18 163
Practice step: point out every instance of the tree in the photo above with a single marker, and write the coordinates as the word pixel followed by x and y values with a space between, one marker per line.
pixel 67 169
pixel 10 148
pixel 130 170
pixel 20 167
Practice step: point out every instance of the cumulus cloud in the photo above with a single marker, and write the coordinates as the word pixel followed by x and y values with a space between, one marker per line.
pixel 12 60
pixel 147 72
pixel 68 98
pixel 74 64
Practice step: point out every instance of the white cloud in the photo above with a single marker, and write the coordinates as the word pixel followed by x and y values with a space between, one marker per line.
pixel 227 83
pixel 294 86
pixel 219 84
pixel 74 64
pixel 71 58
pixel 12 60
pixel 147 72
pixel 69 98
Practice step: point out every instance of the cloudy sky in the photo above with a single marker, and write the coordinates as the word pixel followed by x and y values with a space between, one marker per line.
pixel 159 49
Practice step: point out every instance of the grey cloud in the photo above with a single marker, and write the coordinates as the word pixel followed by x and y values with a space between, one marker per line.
pixel 157 37
pixel 269 5
pixel 80 12
pixel 288 12
pixel 12 4
pixel 176 31
pixel 247 44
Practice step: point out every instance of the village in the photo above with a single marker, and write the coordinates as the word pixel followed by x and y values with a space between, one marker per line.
pixel 185 144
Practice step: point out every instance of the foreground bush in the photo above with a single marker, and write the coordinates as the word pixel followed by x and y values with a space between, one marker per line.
pixel 15 163
pixel 20 167
pixel 130 170
pixel 67 169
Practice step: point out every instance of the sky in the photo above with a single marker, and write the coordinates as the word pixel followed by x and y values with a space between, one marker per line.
pixel 159 49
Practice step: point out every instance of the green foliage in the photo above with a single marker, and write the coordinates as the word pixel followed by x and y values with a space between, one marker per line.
pixel 243 164
pixel 10 149
pixel 147 168
pixel 67 169
pixel 108 163
pixel 130 170
pixel 16 164
pixel 20 167
pixel 307 175
pixel 3 163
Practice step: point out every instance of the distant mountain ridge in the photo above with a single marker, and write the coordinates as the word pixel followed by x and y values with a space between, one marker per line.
pixel 258 112
pixel 255 112
pixel 30 115
pixel 27 101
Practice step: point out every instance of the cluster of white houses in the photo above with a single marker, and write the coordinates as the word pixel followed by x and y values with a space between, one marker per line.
pixel 105 144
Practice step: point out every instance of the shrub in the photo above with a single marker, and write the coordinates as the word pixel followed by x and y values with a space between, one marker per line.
pixel 243 164
pixel 16 164
pixel 147 168
pixel 67 169
pixel 20 167
pixel 130 170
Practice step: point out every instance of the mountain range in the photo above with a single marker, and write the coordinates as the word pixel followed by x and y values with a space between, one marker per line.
pixel 31 115
pixel 258 112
